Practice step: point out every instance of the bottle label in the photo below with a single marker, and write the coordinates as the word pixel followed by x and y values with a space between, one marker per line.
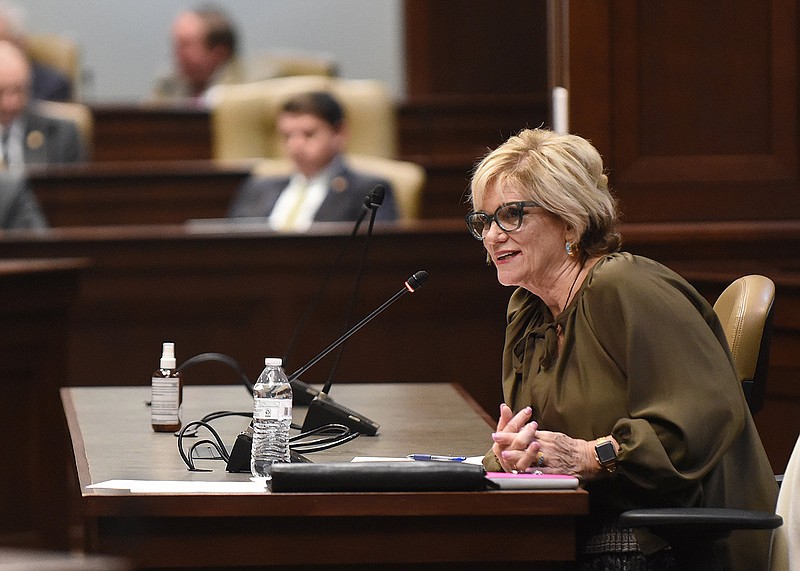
pixel 164 400
pixel 272 409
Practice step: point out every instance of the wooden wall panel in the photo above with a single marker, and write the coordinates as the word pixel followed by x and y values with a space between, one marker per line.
pixel 692 104
pixel 475 47
pixel 476 73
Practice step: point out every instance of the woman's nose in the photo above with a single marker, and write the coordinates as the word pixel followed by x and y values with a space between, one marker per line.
pixel 494 234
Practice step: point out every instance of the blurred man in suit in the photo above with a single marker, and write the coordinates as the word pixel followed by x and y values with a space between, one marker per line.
pixel 46 81
pixel 204 43
pixel 18 205
pixel 26 136
pixel 323 187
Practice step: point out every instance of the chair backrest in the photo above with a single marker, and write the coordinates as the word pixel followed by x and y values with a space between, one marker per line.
pixel 745 310
pixel 407 179
pixel 286 63
pixel 59 52
pixel 78 113
pixel 243 116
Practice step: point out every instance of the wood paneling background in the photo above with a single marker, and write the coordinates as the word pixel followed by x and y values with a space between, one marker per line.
pixel 693 105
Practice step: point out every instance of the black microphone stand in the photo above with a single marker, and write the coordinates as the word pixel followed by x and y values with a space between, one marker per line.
pixel 303 393
pixel 354 297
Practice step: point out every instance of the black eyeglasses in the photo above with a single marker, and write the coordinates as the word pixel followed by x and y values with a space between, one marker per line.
pixel 508 217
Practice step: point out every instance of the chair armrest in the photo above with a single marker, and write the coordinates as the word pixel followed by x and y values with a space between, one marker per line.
pixel 708 520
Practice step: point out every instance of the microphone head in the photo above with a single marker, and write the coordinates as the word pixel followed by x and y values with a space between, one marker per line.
pixel 377 195
pixel 417 280
pixel 375 198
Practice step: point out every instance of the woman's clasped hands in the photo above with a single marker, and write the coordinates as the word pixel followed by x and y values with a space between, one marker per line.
pixel 521 447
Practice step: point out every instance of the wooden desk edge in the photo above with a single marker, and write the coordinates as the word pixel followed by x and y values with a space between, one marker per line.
pixel 76 437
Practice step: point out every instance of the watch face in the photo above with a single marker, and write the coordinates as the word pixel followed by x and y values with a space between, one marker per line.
pixel 605 452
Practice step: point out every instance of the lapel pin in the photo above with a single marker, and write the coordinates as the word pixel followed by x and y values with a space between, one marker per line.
pixel 35 140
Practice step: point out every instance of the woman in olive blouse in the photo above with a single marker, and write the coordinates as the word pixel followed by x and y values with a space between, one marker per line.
pixel 615 369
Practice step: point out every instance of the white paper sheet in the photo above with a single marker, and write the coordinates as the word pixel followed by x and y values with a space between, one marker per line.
pixel 181 487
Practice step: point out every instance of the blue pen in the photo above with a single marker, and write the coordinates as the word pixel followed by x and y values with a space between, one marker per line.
pixel 435 458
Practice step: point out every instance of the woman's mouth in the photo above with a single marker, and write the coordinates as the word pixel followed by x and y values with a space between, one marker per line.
pixel 507 256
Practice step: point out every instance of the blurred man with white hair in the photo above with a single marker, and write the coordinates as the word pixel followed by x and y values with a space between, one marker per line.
pixel 26 136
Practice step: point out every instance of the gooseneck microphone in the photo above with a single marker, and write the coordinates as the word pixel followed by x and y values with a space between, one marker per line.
pixel 372 202
pixel 302 392
pixel 324 410
pixel 374 199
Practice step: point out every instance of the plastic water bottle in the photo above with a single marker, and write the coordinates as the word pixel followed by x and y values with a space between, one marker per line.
pixel 272 418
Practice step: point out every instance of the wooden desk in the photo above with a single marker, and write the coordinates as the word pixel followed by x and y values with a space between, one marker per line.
pixel 112 439
pixel 144 192
pixel 36 300
pixel 141 132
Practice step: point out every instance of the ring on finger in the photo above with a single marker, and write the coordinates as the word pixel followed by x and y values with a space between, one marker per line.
pixel 540 459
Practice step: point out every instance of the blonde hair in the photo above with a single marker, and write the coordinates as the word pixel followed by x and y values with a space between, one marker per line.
pixel 561 173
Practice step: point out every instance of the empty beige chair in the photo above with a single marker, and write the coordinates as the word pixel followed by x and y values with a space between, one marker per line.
pixel 286 63
pixel 243 116
pixel 59 52
pixel 407 179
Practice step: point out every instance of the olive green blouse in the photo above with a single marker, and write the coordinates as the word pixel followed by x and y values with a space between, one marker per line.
pixel 642 356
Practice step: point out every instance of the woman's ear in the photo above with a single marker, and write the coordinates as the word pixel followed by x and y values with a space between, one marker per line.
pixel 569 233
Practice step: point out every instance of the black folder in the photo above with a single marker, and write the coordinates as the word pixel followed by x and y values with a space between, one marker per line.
pixel 378 477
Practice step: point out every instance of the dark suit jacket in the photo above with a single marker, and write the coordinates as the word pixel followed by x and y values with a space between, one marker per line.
pixel 50 84
pixel 18 205
pixel 51 141
pixel 344 202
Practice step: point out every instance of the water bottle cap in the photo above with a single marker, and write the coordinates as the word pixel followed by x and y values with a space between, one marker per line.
pixel 274 361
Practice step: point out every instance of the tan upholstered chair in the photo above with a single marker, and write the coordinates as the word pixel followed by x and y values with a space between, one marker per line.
pixel 59 52
pixel 287 63
pixel 407 179
pixel 78 113
pixel 243 116
pixel 745 311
